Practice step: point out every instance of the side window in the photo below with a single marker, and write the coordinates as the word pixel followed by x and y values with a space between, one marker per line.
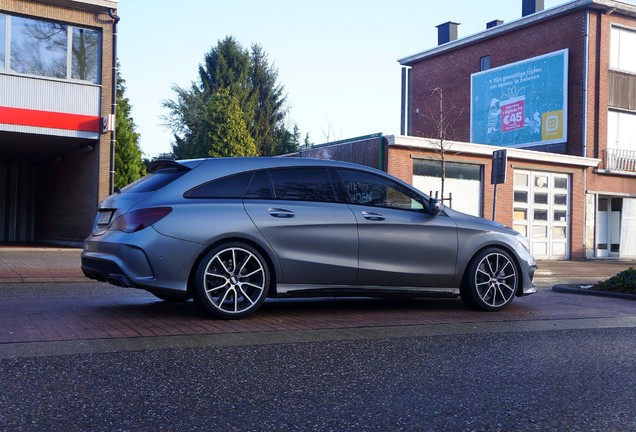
pixel 233 186
pixel 373 190
pixel 303 184
pixel 260 187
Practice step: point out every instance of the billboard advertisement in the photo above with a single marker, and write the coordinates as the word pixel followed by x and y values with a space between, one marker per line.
pixel 521 104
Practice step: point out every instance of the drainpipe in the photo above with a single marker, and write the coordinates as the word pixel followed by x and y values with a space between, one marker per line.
pixel 113 110
pixel 586 49
pixel 381 152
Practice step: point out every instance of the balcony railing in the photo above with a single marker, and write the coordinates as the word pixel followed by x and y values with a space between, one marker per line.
pixel 619 160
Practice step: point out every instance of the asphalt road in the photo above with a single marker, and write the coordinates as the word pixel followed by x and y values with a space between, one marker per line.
pixel 553 362
pixel 575 380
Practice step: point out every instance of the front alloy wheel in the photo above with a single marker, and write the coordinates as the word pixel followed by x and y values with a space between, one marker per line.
pixel 232 281
pixel 491 281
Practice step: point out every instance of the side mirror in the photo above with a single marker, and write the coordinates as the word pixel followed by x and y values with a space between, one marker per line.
pixel 434 206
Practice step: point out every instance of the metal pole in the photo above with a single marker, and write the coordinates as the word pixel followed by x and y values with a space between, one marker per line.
pixel 494 203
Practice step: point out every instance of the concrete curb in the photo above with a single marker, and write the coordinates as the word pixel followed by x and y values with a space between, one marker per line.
pixel 586 290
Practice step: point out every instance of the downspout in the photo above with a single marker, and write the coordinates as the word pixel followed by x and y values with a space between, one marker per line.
pixel 113 110
pixel 381 152
pixel 586 49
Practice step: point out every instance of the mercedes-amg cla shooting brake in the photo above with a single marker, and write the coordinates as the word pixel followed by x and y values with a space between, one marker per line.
pixel 230 232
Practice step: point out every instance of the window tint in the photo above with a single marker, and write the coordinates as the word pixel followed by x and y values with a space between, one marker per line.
pixel 260 187
pixel 155 180
pixel 233 186
pixel 373 190
pixel 305 184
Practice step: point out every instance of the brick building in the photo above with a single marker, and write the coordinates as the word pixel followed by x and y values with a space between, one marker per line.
pixel 560 81
pixel 56 94
pixel 555 89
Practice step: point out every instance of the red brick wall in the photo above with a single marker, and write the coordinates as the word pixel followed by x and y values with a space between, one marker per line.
pixel 451 72
pixel 401 165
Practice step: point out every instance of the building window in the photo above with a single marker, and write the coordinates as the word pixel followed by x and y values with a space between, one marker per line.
pixel 463 183
pixel 484 63
pixel 621 141
pixel 622 48
pixel 3 36
pixel 38 47
pixel 86 55
pixel 621 130
pixel 51 49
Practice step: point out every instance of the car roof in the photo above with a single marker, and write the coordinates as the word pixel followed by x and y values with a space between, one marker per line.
pixel 274 162
pixel 230 165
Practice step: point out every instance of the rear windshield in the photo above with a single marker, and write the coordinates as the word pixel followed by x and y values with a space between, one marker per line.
pixel 156 180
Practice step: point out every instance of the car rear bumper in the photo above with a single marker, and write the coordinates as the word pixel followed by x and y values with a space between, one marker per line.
pixel 140 260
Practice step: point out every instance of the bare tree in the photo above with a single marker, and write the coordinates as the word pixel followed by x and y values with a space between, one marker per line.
pixel 329 133
pixel 439 117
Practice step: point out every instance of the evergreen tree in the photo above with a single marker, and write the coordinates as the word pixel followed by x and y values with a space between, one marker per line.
pixel 128 156
pixel 267 98
pixel 227 131
pixel 240 77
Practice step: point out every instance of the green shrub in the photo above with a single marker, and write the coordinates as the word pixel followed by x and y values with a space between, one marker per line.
pixel 623 282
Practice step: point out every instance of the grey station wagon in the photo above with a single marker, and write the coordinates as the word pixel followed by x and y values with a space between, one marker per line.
pixel 230 232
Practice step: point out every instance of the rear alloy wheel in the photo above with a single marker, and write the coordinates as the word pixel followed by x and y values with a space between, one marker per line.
pixel 491 281
pixel 232 281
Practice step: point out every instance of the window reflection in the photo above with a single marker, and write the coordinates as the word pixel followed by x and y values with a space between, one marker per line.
pixel 86 48
pixel 561 183
pixel 540 198
pixel 3 35
pixel 38 47
pixel 372 190
pixel 303 184
pixel 560 216
pixel 42 48
pixel 521 197
pixel 560 199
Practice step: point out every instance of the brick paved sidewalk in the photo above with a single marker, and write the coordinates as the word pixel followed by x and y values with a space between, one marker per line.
pixel 41 264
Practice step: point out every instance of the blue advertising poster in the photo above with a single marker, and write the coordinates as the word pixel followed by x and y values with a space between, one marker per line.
pixel 521 104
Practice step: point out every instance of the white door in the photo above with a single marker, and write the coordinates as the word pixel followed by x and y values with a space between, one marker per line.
pixel 541 212
pixel 616 227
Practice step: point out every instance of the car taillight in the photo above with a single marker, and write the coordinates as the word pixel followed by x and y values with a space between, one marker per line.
pixel 137 220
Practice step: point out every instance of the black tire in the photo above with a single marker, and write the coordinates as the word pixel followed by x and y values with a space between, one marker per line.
pixel 491 281
pixel 232 280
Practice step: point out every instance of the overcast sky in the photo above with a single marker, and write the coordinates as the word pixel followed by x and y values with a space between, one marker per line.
pixel 338 60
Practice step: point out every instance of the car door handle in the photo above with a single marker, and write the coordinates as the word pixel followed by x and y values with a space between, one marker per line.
pixel 372 216
pixel 280 213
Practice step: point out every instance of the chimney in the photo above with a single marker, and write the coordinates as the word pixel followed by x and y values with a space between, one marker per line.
pixel 446 32
pixel 531 6
pixel 494 23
